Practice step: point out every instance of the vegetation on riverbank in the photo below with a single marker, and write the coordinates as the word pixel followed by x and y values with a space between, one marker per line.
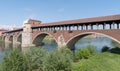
pixel 108 60
pixel 62 59
pixel 15 60
pixel 98 62
pixel 38 59
pixel 85 53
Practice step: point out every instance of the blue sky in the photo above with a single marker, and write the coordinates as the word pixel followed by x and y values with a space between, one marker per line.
pixel 14 12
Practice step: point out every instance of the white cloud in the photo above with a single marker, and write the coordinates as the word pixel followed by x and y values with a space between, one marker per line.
pixel 8 27
pixel 5 26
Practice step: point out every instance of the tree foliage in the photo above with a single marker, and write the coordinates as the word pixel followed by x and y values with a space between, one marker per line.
pixel 105 48
pixel 14 61
pixel 82 53
pixel 59 60
pixel 37 59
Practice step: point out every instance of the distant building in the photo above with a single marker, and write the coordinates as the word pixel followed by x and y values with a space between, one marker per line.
pixel 2 30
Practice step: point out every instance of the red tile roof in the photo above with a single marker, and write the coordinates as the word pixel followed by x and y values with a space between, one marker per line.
pixel 13 30
pixel 81 21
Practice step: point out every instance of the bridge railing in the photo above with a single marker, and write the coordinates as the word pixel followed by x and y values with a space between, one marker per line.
pixel 88 26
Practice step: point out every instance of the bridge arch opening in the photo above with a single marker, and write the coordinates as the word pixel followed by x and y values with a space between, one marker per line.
pixel 71 43
pixel 6 39
pixel 45 40
pixel 3 38
pixel 19 39
pixel 11 39
pixel 9 45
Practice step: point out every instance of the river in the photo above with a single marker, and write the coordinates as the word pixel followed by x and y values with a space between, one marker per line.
pixel 98 42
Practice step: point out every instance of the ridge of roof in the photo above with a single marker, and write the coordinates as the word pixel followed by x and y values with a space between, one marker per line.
pixel 84 20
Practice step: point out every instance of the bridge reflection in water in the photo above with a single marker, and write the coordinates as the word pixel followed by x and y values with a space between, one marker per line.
pixel 97 41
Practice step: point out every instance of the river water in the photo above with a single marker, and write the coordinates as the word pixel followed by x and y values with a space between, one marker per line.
pixel 98 42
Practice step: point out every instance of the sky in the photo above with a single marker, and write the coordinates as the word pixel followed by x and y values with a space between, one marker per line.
pixel 14 12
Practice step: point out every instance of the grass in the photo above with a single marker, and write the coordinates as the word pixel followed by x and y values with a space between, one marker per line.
pixel 99 62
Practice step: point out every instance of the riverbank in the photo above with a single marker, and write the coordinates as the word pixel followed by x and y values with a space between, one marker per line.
pixel 99 62
pixel 40 59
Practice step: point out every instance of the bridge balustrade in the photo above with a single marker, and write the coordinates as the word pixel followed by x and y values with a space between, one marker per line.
pixel 97 26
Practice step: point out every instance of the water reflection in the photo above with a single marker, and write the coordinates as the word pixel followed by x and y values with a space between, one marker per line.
pixel 49 45
pixel 98 42
pixel 6 47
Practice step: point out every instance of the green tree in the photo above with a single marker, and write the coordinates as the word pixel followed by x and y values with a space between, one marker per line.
pixel 14 61
pixel 92 49
pixel 82 53
pixel 36 57
pixel 59 60
pixel 105 48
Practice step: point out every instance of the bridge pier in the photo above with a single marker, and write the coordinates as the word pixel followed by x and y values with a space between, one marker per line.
pixel 14 41
pixel 26 39
pixel 6 39
pixel 61 41
pixel 27 35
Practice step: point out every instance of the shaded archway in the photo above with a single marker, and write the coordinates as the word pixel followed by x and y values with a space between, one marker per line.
pixel 11 39
pixel 9 45
pixel 19 39
pixel 38 39
pixel 71 42
pixel 3 38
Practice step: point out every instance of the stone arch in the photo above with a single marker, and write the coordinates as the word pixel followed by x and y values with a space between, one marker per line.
pixel 19 38
pixel 71 42
pixel 37 39
pixel 10 38
pixel 6 38
pixel 3 37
